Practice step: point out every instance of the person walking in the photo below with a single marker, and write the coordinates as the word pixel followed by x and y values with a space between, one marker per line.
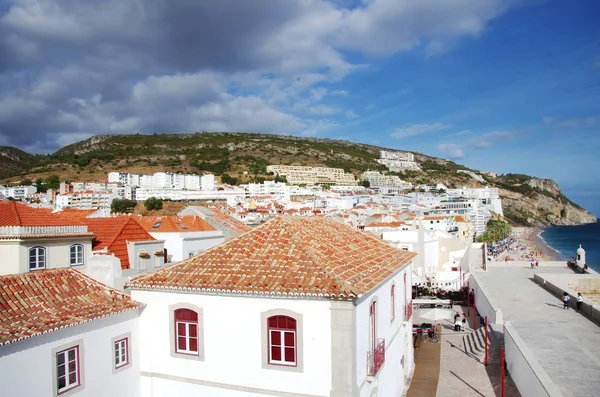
pixel 566 299
pixel 464 322
pixel 579 301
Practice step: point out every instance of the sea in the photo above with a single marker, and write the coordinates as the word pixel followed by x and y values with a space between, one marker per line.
pixel 565 240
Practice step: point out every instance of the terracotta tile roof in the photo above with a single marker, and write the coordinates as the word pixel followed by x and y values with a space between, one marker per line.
pixel 174 224
pixel 17 214
pixel 114 233
pixel 44 301
pixel 385 224
pixel 286 255
pixel 74 214
pixel 229 222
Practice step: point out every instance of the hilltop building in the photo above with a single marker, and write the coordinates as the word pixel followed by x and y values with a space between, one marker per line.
pixel 299 175
pixel 377 180
pixel 398 161
pixel 165 180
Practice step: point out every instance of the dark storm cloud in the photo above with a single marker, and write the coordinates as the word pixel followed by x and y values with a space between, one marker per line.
pixel 74 68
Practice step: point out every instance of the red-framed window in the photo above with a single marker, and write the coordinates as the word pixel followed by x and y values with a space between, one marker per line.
pixel 393 303
pixel 186 331
pixel 121 352
pixel 68 374
pixel 282 341
pixel 373 326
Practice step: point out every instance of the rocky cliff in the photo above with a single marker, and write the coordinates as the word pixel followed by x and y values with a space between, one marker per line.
pixel 542 204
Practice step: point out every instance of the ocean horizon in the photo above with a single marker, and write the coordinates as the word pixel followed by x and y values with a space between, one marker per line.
pixel 564 241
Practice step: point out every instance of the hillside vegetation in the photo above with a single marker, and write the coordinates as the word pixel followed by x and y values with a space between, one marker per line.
pixel 243 157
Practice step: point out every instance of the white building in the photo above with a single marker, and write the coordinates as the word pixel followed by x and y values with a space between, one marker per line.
pixel 377 179
pixel 301 175
pixel 289 308
pixel 33 239
pixel 397 161
pixel 64 334
pixel 86 200
pixel 18 192
pixel 487 196
pixel 165 180
pixel 184 236
pixel 278 190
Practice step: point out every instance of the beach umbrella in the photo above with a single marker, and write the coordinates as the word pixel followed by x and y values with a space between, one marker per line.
pixel 436 314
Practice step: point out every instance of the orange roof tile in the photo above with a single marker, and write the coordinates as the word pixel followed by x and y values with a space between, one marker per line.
pixel 229 222
pixel 314 256
pixel 72 213
pixel 114 233
pixel 44 301
pixel 174 224
pixel 17 214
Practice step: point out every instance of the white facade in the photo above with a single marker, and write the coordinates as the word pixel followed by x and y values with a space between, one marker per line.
pixel 398 160
pixel 488 197
pixel 334 340
pixel 268 188
pixel 85 200
pixel 183 245
pixel 18 192
pixel 165 180
pixel 27 368
pixel 49 252
pixel 376 179
pixel 301 175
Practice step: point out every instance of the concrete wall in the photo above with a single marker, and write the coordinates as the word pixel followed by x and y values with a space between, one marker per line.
pixel 397 334
pixel 26 367
pixel 483 303
pixel 233 348
pixel 179 245
pixel 559 284
pixel 529 377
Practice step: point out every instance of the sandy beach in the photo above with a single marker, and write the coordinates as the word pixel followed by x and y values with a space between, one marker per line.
pixel 527 245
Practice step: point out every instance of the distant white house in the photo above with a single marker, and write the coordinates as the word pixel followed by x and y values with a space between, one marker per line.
pixel 295 307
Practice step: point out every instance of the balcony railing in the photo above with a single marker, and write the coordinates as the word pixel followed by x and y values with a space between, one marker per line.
pixel 376 358
pixel 14 231
pixel 408 309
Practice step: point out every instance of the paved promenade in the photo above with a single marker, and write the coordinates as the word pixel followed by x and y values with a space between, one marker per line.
pixel 566 344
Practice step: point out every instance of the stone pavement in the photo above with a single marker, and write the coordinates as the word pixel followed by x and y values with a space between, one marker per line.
pixel 462 374
pixel 565 343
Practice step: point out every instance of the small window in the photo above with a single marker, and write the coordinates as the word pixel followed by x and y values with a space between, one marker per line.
pixel 186 331
pixel 121 349
pixel 76 255
pixel 282 340
pixel 37 258
pixel 68 375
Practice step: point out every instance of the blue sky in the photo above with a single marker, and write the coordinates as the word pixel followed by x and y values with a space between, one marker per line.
pixel 498 85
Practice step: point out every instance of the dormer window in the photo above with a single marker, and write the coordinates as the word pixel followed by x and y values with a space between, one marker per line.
pixel 37 258
pixel 76 255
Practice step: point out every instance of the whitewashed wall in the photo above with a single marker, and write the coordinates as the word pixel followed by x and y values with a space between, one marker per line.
pixel 232 348
pixel 397 334
pixel 15 256
pixel 26 367
pixel 179 245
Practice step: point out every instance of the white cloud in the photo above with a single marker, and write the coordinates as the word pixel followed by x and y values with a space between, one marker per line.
pixel 455 151
pixel 452 151
pixel 417 129
pixel 132 66
pixel 583 122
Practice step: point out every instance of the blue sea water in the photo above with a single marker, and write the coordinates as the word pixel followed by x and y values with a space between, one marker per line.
pixel 566 239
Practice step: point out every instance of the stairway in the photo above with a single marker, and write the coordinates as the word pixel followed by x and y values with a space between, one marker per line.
pixel 474 343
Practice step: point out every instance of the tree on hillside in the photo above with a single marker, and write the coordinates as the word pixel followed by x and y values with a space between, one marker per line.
pixel 39 184
pixel 52 182
pixel 153 203
pixel 122 206
pixel 26 182
pixel 495 230
pixel 365 183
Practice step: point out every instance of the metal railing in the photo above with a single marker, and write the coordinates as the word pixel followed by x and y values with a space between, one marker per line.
pixel 376 358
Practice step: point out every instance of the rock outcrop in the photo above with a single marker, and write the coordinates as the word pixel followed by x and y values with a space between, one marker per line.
pixel 542 206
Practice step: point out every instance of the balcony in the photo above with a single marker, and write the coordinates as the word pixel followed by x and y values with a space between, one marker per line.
pixel 376 358
pixel 33 231
pixel 408 310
